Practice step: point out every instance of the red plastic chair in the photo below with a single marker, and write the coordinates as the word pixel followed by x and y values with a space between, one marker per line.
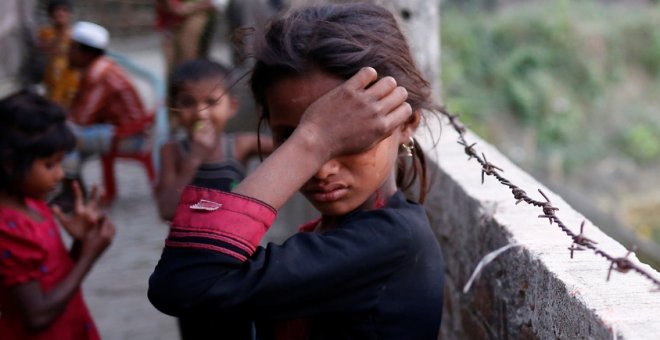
pixel 144 156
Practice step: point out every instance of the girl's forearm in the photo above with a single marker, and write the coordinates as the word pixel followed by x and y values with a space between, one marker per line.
pixel 281 174
pixel 41 309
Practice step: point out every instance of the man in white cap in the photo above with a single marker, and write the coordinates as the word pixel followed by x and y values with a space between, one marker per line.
pixel 106 99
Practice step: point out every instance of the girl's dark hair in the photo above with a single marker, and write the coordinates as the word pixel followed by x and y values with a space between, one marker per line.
pixel 196 70
pixel 340 40
pixel 31 127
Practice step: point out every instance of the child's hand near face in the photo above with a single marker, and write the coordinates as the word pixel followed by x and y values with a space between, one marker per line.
pixel 97 238
pixel 87 224
pixel 370 110
pixel 204 140
pixel 85 215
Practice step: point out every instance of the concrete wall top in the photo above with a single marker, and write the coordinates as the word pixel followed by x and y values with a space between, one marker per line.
pixel 534 290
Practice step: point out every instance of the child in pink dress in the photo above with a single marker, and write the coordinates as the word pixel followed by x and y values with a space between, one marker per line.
pixel 40 295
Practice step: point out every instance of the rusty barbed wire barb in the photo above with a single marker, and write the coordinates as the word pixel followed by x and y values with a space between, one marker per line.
pixel 580 241
pixel 548 209
pixel 549 217
pixel 574 247
pixel 469 149
pixel 621 264
pixel 518 194
pixel 487 168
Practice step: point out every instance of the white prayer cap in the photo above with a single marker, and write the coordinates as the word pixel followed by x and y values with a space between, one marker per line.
pixel 90 34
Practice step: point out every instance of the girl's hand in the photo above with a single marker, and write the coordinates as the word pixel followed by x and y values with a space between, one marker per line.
pixel 367 114
pixel 84 215
pixel 348 119
pixel 98 238
pixel 204 140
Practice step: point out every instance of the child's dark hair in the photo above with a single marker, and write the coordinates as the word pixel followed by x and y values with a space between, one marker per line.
pixel 31 127
pixel 92 51
pixel 340 40
pixel 196 70
pixel 54 5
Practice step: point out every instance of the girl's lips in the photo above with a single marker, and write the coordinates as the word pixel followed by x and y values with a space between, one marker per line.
pixel 325 196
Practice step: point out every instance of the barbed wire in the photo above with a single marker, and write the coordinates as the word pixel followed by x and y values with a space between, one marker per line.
pixel 580 241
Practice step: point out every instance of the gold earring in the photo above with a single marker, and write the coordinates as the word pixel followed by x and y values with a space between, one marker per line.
pixel 410 147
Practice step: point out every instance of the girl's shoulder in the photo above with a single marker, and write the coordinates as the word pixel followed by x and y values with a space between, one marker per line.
pixel 37 205
pixel 398 213
pixel 19 224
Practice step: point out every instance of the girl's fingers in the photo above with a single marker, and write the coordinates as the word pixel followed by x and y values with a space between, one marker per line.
pixel 59 215
pixel 362 79
pixel 111 230
pixel 94 197
pixel 78 196
pixel 107 227
pixel 394 99
pixel 382 88
pixel 397 116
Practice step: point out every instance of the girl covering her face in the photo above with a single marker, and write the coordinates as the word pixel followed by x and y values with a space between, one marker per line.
pixel 342 95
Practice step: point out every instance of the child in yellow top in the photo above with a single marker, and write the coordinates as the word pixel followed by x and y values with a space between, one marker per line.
pixel 60 80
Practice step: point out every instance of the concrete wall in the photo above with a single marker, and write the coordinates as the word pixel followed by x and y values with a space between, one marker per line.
pixel 534 290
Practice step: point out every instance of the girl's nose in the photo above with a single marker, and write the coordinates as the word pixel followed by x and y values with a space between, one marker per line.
pixel 59 172
pixel 328 169
pixel 203 111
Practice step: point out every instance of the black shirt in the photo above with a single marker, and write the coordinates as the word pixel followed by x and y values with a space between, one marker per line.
pixel 378 275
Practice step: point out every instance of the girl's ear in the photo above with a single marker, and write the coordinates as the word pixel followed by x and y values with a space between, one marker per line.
pixel 408 129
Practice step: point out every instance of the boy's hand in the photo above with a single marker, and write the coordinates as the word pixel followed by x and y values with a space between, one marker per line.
pixel 84 215
pixel 367 114
pixel 98 238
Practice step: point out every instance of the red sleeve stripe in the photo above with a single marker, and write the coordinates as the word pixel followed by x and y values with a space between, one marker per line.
pixel 227 238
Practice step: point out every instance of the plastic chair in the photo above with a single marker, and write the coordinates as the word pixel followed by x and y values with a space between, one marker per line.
pixel 144 156
pixel 156 124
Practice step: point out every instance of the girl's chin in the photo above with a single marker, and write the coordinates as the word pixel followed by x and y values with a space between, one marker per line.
pixel 333 209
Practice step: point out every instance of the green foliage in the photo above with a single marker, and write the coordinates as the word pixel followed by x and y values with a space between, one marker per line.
pixel 642 141
pixel 557 67
pixel 645 49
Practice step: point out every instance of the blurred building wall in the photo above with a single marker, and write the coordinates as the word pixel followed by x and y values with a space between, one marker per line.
pixel 120 17
pixel 16 37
